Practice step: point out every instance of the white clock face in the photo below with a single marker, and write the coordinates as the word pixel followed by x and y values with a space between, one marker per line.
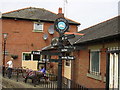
pixel 61 25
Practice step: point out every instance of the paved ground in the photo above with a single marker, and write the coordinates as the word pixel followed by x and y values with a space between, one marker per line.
pixel 10 83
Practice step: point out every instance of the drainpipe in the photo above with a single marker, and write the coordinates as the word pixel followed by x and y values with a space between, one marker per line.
pixel 107 70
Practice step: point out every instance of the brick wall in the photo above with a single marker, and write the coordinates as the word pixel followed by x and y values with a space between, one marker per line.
pixel 80 67
pixel 21 37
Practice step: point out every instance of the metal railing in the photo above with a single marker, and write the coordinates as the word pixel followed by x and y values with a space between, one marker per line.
pixel 49 81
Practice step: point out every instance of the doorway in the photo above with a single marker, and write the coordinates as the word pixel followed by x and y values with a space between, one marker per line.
pixel 114 70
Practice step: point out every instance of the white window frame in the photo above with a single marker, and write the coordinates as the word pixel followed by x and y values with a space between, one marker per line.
pixel 23 57
pixel 94 72
pixel 38 30
pixel 32 57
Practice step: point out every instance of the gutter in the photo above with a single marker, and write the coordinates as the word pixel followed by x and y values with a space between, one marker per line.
pixel 51 21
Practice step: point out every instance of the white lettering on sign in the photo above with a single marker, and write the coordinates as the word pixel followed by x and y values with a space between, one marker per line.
pixel 64 50
pixel 45 59
pixel 68 57
pixel 36 52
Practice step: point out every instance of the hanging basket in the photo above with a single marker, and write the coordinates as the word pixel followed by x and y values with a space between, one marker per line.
pixel 14 56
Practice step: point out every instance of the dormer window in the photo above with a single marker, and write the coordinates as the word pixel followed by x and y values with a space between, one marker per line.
pixel 38 27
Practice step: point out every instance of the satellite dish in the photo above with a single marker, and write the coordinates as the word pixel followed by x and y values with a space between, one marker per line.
pixel 45 36
pixel 51 29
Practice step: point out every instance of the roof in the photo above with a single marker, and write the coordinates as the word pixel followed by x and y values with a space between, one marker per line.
pixel 32 13
pixel 102 30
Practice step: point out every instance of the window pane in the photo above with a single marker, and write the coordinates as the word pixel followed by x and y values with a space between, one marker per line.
pixel 67 63
pixel 95 61
pixel 26 56
pixel 36 57
pixel 38 26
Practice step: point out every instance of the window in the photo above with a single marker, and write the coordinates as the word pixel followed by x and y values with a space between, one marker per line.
pixel 36 57
pixel 67 62
pixel 46 57
pixel 26 56
pixel 95 62
pixel 38 27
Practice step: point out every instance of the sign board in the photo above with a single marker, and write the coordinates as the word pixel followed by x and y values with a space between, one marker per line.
pixel 68 37
pixel 62 58
pixel 71 47
pixel 50 53
pixel 68 58
pixel 67 49
pixel 51 60
pixel 61 25
pixel 36 52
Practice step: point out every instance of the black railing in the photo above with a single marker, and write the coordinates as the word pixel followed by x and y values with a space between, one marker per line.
pixel 48 81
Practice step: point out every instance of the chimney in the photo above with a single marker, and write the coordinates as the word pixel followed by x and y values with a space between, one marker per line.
pixel 60 14
pixel 59 10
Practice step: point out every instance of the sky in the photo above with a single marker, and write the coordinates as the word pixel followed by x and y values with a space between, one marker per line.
pixel 86 12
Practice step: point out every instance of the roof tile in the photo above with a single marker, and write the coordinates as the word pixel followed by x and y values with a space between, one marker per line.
pixel 34 14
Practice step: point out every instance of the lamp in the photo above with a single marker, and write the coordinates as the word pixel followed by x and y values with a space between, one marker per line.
pixel 4 38
pixel 5 35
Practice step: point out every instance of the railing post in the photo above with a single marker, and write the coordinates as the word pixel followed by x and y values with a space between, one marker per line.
pixel 17 74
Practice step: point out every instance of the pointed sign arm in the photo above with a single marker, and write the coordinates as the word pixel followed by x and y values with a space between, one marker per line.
pixel 74 33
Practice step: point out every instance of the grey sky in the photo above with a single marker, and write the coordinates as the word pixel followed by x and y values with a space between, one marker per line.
pixel 86 12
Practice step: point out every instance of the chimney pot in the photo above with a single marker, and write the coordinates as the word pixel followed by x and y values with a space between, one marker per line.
pixel 60 10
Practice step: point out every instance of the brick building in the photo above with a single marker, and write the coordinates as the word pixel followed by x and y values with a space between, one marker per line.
pixel 97 61
pixel 97 56
pixel 29 29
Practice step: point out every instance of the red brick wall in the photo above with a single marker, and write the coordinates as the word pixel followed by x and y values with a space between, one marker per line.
pixel 21 37
pixel 80 67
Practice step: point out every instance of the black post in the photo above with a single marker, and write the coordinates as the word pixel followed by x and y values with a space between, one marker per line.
pixel 45 62
pixel 4 58
pixel 107 70
pixel 61 25
pixel 17 74
pixel 59 83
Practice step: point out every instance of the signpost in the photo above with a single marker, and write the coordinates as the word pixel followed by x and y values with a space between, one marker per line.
pixel 61 25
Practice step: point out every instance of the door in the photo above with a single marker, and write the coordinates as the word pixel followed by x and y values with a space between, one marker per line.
pixel 114 71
